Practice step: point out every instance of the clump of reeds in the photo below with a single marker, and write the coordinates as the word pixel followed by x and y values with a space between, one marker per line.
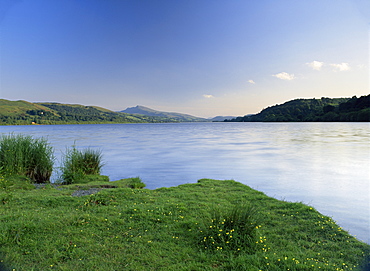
pixel 77 164
pixel 23 155
pixel 233 230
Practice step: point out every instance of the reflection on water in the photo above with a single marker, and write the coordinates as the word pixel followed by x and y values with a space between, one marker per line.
pixel 325 165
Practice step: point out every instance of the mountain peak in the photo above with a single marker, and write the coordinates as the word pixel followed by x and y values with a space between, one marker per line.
pixel 143 110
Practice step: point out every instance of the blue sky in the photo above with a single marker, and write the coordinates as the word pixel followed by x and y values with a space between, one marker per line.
pixel 201 57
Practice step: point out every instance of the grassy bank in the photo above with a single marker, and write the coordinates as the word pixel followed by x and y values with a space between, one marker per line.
pixel 188 227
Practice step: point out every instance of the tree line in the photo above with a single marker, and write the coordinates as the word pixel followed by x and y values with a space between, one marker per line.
pixel 310 110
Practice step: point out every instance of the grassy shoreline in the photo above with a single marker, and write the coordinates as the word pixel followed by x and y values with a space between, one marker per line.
pixel 120 228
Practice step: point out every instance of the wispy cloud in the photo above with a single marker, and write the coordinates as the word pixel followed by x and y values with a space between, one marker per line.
pixel 208 96
pixel 284 76
pixel 251 82
pixel 316 65
pixel 341 67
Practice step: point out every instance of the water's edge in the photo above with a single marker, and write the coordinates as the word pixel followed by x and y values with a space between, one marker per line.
pixel 324 165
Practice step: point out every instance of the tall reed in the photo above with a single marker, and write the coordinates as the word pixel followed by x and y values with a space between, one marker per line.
pixel 26 156
pixel 233 230
pixel 77 164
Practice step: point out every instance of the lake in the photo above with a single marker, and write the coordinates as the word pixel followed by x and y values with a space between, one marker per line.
pixel 325 165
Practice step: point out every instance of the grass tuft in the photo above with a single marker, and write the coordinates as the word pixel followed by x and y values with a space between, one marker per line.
pixel 23 155
pixel 78 164
pixel 233 230
pixel 135 183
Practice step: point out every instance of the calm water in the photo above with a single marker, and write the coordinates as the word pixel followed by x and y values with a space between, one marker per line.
pixel 325 165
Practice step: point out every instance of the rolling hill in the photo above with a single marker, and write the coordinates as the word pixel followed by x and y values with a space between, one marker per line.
pixel 23 113
pixel 298 110
pixel 142 110
pixel 324 109
pixel 221 118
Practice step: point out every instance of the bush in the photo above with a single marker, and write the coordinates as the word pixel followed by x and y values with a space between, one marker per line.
pixel 134 183
pixel 233 230
pixel 26 156
pixel 77 164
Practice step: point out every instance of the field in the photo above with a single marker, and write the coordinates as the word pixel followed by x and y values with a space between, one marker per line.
pixel 208 225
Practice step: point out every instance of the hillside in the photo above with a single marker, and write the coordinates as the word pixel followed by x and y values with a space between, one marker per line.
pixel 23 113
pixel 324 109
pixel 221 118
pixel 11 108
pixel 142 110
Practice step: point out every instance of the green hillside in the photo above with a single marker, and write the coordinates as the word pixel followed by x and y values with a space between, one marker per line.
pixel 324 109
pixel 24 113
pixel 13 108
pixel 142 110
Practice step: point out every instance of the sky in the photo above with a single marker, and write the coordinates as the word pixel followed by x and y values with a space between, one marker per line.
pixel 201 57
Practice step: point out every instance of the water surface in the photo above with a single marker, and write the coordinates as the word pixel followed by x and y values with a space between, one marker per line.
pixel 325 165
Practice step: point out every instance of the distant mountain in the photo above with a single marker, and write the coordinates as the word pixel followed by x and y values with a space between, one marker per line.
pixel 324 109
pixel 142 110
pixel 222 118
pixel 23 113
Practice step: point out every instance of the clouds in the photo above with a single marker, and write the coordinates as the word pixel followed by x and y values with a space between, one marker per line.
pixel 284 76
pixel 251 82
pixel 317 65
pixel 208 96
pixel 341 67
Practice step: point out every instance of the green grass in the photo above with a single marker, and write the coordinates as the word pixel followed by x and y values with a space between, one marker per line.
pixel 139 229
pixel 234 229
pixel 23 155
pixel 77 164
pixel 13 108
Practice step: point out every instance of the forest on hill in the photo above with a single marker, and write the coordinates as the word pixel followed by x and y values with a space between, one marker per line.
pixel 299 110
pixel 142 110
pixel 24 113
pixel 310 110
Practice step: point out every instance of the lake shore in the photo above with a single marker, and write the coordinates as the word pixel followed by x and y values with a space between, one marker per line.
pixel 166 229
pixel 321 164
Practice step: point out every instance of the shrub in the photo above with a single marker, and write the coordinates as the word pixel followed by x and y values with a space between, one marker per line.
pixel 134 183
pixel 26 156
pixel 233 230
pixel 77 164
